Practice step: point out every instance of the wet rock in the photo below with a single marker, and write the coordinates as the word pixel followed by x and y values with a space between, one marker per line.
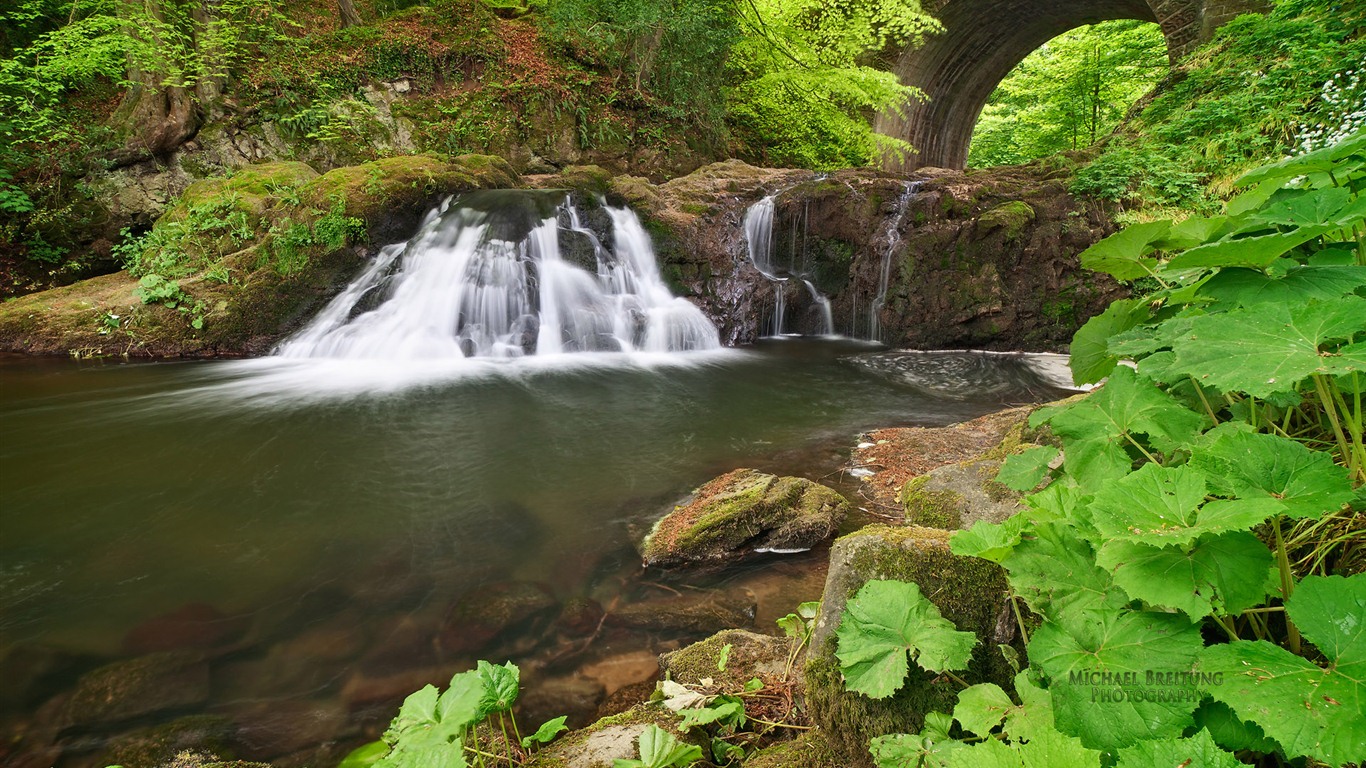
pixel 969 592
pixel 196 626
pixel 406 642
pixel 742 512
pixel 545 699
pixel 192 759
pixel 361 692
pixel 580 616
pixel 751 655
pixel 28 671
pixel 959 495
pixel 691 614
pixel 154 746
pixel 124 690
pixel 485 613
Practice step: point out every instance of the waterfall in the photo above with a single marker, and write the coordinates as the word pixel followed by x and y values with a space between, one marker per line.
pixel 758 225
pixel 486 277
pixel 893 237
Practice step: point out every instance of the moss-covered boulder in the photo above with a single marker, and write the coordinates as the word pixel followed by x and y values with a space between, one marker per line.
pixel 969 592
pixel 741 512
pixel 750 655
pixel 1012 218
pixel 124 690
pixel 241 261
pixel 959 495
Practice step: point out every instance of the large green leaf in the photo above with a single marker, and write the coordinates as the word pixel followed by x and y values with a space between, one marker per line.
pixel 1229 730
pixel 989 541
pixel 1309 709
pixel 1198 751
pixel 1250 465
pixel 1257 252
pixel 1225 573
pixel 981 708
pixel 1091 359
pixel 1318 161
pixel 1270 349
pixel 1048 749
pixel 1249 287
pixel 1034 715
pixel 1022 471
pixel 1124 255
pixel 501 685
pixel 1306 208
pixel 1098 662
pixel 1094 429
pixel 884 622
pixel 661 749
pixel 1161 506
pixel 459 704
pixel 1055 571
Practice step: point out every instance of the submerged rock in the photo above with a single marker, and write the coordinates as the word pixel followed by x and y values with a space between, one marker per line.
pixel 688 614
pixel 124 690
pixel 741 512
pixel 159 744
pixel 969 592
pixel 484 614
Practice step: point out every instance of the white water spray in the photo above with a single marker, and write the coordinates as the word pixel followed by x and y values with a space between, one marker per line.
pixel 491 282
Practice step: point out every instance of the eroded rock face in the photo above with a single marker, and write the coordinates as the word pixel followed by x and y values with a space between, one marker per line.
pixel 741 512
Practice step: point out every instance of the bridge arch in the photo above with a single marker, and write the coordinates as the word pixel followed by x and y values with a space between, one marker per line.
pixel 984 39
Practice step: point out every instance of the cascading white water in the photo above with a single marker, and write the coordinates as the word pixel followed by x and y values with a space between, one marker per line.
pixel 893 237
pixel 759 243
pixel 478 281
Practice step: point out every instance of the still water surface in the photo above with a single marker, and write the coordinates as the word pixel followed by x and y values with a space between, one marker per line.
pixel 131 490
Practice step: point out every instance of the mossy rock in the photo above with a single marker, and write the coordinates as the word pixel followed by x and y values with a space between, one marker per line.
pixel 128 689
pixel 160 744
pixel 252 188
pixel 751 655
pixel 969 592
pixel 810 750
pixel 609 739
pixel 1012 217
pixel 591 180
pixel 958 495
pixel 741 512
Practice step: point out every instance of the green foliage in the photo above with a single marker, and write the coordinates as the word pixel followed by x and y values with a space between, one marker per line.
pixel 179 246
pixel 661 749
pixel 1186 562
pixel 1265 86
pixel 155 289
pixel 802 95
pixel 441 729
pixel 884 622
pixel 1069 93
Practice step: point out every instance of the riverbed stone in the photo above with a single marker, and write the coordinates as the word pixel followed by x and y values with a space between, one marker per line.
pixel 959 495
pixel 158 682
pixel 741 512
pixel 574 696
pixel 700 614
pixel 609 739
pixel 156 745
pixel 486 613
pixel 969 592
pixel 192 626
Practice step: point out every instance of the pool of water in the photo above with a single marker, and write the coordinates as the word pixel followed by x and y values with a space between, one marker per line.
pixel 266 501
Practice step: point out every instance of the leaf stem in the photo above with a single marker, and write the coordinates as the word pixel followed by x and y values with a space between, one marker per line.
pixel 1019 618
pixel 1208 410
pixel 1287 585
pixel 1330 408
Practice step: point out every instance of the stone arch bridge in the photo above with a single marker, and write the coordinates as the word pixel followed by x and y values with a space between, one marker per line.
pixel 984 39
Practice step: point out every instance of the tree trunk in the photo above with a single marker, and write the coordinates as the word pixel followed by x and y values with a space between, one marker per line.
pixel 347 10
pixel 153 118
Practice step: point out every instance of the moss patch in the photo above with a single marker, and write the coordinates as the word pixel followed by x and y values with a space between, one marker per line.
pixel 810 750
pixel 750 655
pixel 931 508
pixel 1012 217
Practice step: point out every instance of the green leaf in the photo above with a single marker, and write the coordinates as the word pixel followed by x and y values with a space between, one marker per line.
pixel 1194 231
pixel 1091 359
pixel 1230 731
pixel 1257 252
pixel 1159 506
pixel 885 621
pixel 500 687
pixel 1122 255
pixel 1055 571
pixel 723 657
pixel 660 749
pixel 1247 287
pixel 1048 749
pixel 1198 751
pixel 1257 466
pixel 1023 471
pixel 900 750
pixel 754 684
pixel 459 704
pixel 364 756
pixel 1034 715
pixel 1270 349
pixel 809 610
pixel 989 541
pixel 417 710
pixel 1089 654
pixel 1310 710
pixel 1306 208
pixel 988 754
pixel 1094 429
pixel 1224 573
pixel 981 708
pixel 546 733
pixel 792 626
pixel 727 710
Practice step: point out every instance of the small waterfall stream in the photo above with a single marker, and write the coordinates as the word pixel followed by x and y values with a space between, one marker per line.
pixel 893 238
pixel 486 277
pixel 758 224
